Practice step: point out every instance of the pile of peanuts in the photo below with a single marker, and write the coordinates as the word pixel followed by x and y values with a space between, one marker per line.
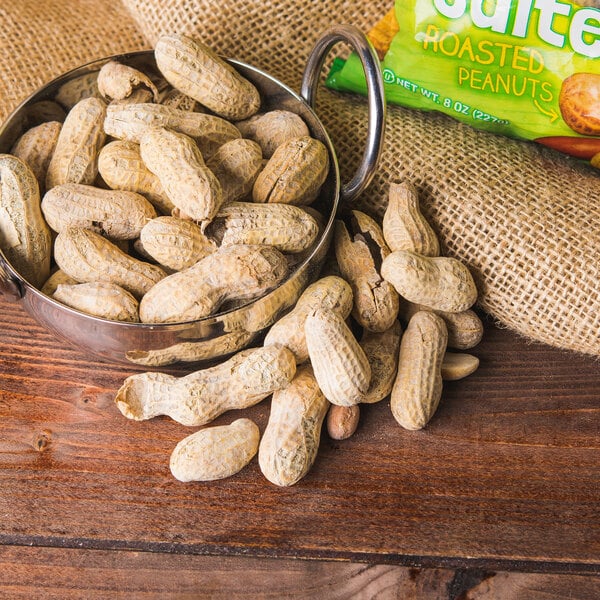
pixel 163 212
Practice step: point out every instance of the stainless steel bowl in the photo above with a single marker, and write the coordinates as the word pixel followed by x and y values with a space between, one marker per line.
pixel 219 335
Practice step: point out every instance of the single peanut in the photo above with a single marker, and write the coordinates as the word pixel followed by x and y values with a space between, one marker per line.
pixel 233 272
pixel 339 363
pixel 417 389
pixel 287 228
pixel 116 214
pixel 578 101
pixel 87 256
pixel 236 164
pixel 200 397
pixel 121 167
pixel 465 328
pixel 215 452
pixel 457 365
pixel 75 157
pixel 273 128
pixel 196 70
pixel 441 282
pixel 294 174
pixel 404 226
pixel 359 257
pixel 130 122
pixel 290 441
pixel 190 185
pixel 117 81
pixel 24 235
pixel 342 421
pixel 381 350
pixel 36 146
pixel 329 292
pixel 175 243
pixel 100 299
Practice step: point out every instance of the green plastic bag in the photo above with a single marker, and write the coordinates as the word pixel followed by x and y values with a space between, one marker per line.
pixel 528 69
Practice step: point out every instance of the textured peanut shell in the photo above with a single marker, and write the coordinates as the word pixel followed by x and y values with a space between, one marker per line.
pixel 36 147
pixel 376 301
pixel 290 441
pixel 579 102
pixel 287 228
pixel 25 238
pixel 381 350
pixel 121 167
pixel 404 226
pixel 441 283
pixel 200 397
pixel 117 81
pixel 87 256
pixel 131 121
pixel 236 164
pixel 339 363
pixel 330 292
pixel 294 174
pixel 196 70
pixel 175 243
pixel 418 386
pixel 75 157
pixel 233 272
pixel 101 299
pixel 342 421
pixel 115 214
pixel 215 452
pixel 190 185
pixel 273 128
pixel 43 111
pixel 176 99
pixel 457 365
pixel 465 328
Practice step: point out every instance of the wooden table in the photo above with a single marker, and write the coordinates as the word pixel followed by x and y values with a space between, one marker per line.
pixel 506 477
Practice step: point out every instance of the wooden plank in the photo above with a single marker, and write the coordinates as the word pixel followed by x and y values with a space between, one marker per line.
pixel 67 574
pixel 504 477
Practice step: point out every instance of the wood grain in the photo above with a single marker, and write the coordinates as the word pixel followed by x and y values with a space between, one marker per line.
pixel 505 477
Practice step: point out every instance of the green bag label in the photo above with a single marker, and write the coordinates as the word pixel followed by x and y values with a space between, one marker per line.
pixel 522 68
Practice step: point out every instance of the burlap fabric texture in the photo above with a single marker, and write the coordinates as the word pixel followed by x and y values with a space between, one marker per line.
pixel 523 218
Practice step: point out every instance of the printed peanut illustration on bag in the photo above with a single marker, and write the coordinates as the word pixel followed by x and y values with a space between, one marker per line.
pixel 171 200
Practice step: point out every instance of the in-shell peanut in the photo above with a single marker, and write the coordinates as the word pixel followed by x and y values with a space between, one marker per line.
pixel 215 452
pixel 200 397
pixel 418 386
pixel 101 299
pixel 175 243
pixel 24 235
pixel 196 70
pixel 287 228
pixel 233 272
pixel 339 363
pixel 87 256
pixel 290 442
pixel 117 81
pixel 190 185
pixel 75 157
pixel 116 214
pixel 441 283
pixel 294 174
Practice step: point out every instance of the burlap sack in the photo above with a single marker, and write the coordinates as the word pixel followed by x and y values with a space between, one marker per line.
pixel 524 218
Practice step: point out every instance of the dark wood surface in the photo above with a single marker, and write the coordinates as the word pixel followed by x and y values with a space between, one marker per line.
pixel 505 477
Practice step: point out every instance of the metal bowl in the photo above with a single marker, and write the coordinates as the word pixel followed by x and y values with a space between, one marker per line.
pixel 211 337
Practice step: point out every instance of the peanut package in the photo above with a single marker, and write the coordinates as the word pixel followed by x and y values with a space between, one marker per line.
pixel 519 68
